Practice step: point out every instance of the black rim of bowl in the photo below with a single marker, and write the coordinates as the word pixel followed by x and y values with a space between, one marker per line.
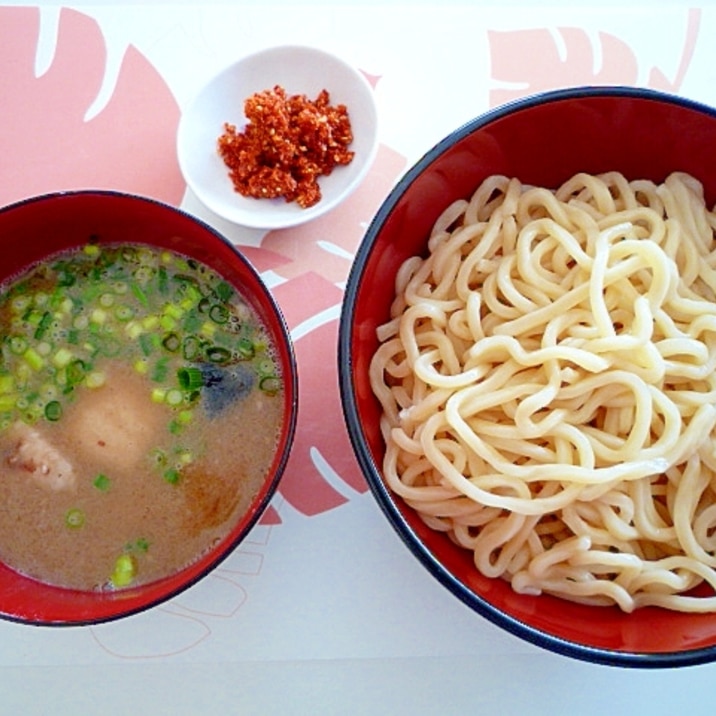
pixel 372 472
pixel 274 480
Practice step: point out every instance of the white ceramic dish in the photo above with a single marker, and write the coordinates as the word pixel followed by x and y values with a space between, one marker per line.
pixel 299 70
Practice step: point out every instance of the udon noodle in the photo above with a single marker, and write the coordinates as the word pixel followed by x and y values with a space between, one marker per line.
pixel 548 386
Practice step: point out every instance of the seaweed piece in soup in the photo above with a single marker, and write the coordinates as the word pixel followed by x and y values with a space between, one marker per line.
pixel 222 386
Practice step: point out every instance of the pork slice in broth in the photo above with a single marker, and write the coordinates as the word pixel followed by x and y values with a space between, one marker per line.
pixel 43 462
pixel 118 423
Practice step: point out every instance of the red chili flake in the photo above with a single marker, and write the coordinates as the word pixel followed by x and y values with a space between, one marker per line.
pixel 286 145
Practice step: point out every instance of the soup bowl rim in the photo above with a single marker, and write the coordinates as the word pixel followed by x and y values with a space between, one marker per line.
pixel 153 593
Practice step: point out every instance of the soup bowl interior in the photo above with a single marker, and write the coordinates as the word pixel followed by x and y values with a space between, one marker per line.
pixel 543 141
pixel 39 227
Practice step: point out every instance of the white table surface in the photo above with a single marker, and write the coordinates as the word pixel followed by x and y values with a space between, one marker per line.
pixel 328 613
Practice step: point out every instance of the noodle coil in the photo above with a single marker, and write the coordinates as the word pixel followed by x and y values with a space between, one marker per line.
pixel 548 388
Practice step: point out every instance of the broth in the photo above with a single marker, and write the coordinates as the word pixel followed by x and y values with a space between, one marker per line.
pixel 140 409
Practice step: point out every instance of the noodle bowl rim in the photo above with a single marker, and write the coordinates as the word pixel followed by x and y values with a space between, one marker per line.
pixel 386 500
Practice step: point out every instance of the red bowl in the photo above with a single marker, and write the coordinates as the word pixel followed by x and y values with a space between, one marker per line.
pixel 40 226
pixel 542 140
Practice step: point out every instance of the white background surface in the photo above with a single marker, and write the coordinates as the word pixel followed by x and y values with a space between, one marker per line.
pixel 342 619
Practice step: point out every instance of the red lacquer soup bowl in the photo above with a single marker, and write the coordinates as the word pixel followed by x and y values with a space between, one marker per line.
pixel 40 226
pixel 542 140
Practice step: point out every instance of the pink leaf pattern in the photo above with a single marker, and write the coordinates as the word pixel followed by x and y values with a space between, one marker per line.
pixel 307 247
pixel 46 141
pixel 319 415
pixel 317 258
pixel 530 60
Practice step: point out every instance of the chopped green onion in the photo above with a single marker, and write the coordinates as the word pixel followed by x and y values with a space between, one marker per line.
pixel 134 329
pixel 32 316
pixel 162 280
pixel 217 354
pixel 184 457
pixel 150 322
pixel 80 322
pixel 173 311
pixel 139 293
pixel 270 384
pixel 91 291
pixel 65 278
pixel 161 370
pixel 18 345
pixel 224 290
pixel 31 415
pixel 22 403
pixel 98 316
pixel 174 397
pixel 95 379
pixel 144 274
pixel 62 358
pixel 7 383
pixel 91 348
pixel 147 342
pixel 171 475
pixel 65 304
pixel 75 372
pixel 168 323
pixel 186 281
pixel 123 313
pixel 184 417
pixel 49 391
pixel 140 545
pixel 43 325
pixel 190 378
pixel 171 342
pixel 102 482
pixel 34 359
pixel 159 457
pixel 186 304
pixel 145 257
pixel 191 322
pixel 20 303
pixel 23 374
pixel 191 348
pixel 8 402
pixel 74 518
pixel 125 569
pixel 53 410
pixel 219 313
pixel 246 348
